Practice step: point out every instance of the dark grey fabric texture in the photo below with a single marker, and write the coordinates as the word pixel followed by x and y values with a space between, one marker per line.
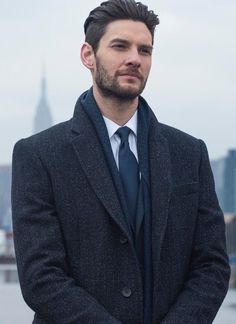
pixel 76 258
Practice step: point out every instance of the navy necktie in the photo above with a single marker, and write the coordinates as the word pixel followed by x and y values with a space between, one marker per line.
pixel 129 173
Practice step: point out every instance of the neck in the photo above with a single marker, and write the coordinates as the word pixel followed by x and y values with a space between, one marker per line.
pixel 117 110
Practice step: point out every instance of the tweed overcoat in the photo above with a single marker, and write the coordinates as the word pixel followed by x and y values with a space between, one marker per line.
pixel 75 257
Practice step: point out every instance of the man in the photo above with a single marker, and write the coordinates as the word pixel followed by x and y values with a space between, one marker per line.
pixel 115 215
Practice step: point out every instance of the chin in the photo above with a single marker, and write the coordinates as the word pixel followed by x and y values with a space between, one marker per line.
pixel 130 88
pixel 128 94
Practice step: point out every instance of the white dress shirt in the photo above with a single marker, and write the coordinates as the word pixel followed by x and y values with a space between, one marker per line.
pixel 115 139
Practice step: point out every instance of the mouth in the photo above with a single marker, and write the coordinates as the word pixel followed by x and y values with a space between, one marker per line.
pixel 131 74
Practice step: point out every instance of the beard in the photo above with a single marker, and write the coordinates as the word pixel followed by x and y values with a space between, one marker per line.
pixel 110 87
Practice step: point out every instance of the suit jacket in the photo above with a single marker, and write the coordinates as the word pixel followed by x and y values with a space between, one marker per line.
pixel 76 259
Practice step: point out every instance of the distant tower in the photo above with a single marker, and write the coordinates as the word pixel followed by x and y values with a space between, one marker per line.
pixel 43 117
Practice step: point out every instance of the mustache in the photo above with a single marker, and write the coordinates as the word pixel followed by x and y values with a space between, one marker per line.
pixel 131 71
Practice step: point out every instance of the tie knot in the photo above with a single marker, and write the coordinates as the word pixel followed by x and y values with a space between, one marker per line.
pixel 123 133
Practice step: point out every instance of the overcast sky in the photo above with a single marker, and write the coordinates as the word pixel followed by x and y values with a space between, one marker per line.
pixel 191 86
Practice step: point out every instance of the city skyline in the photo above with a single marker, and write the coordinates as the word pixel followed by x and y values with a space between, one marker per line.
pixel 190 86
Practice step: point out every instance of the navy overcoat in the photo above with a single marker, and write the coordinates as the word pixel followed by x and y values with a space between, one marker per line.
pixel 76 260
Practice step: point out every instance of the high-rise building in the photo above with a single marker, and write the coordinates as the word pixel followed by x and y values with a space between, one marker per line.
pixel 43 117
pixel 229 187
pixel 218 167
pixel 5 195
pixel 224 171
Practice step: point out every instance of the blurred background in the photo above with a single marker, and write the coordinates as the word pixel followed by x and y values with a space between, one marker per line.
pixel 191 87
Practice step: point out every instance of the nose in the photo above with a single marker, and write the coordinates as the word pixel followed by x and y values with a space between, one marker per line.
pixel 133 58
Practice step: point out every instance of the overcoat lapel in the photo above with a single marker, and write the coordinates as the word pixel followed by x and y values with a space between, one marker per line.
pixel 94 164
pixel 161 185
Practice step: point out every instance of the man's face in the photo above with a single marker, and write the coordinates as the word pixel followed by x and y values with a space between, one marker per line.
pixel 123 60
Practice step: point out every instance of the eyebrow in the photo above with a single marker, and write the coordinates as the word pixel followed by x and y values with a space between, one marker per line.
pixel 124 41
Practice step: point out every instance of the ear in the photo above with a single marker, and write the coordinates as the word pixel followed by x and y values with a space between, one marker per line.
pixel 87 55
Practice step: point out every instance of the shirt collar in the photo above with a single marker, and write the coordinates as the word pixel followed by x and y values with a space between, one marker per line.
pixel 112 126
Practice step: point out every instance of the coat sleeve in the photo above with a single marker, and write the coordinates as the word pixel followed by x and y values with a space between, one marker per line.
pixel 208 278
pixel 41 259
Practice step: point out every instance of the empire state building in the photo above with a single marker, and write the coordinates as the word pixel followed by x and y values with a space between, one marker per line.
pixel 43 117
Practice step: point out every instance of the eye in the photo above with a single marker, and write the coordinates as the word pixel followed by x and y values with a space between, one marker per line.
pixel 119 46
pixel 145 51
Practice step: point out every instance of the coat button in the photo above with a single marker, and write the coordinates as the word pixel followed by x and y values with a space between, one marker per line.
pixel 126 292
pixel 123 240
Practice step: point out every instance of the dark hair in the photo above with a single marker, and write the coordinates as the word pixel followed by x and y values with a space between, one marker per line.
pixel 108 11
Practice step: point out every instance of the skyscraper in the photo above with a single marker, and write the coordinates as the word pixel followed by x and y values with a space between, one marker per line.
pixel 218 168
pixel 43 117
pixel 229 192
pixel 5 194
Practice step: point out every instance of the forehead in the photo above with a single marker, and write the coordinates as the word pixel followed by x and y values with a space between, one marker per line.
pixel 129 30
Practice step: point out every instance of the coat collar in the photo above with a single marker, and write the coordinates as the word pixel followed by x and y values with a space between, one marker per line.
pixel 91 142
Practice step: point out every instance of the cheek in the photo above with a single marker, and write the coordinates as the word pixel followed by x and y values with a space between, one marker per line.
pixel 147 68
pixel 113 64
pixel 109 66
